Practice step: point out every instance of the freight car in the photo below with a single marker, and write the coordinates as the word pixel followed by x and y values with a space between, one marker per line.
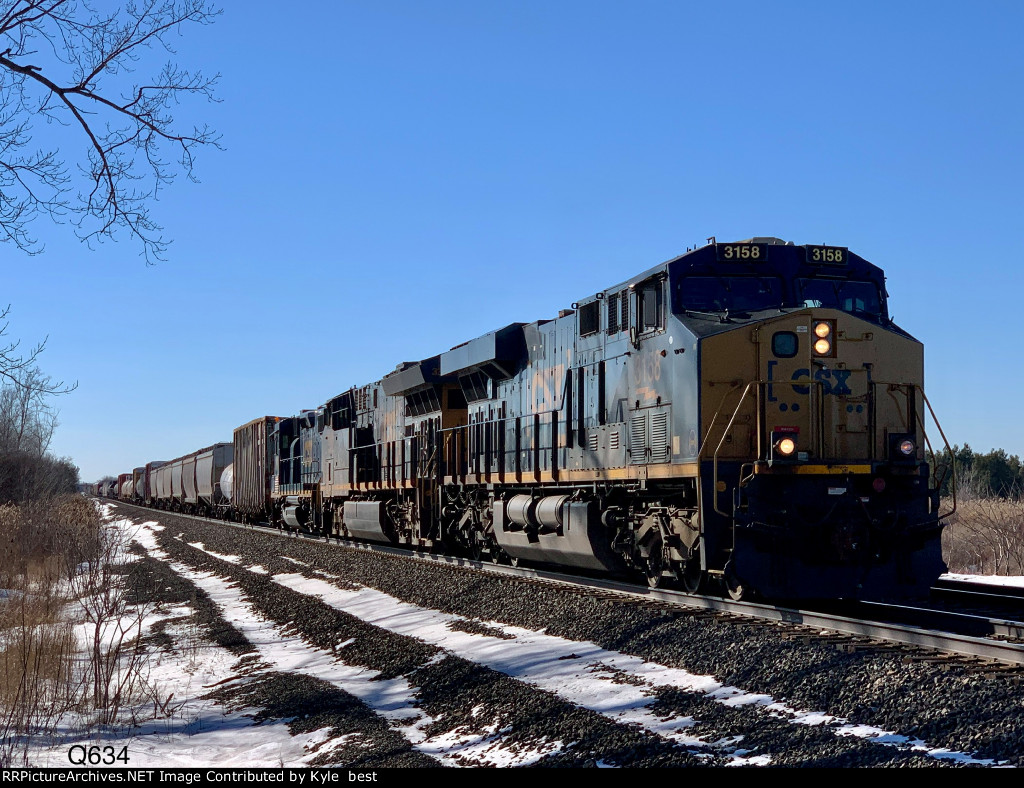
pixel 746 413
pixel 138 495
pixel 150 488
pixel 189 484
pixel 202 479
pixel 125 486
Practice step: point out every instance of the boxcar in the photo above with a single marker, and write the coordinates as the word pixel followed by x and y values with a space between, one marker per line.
pixel 254 469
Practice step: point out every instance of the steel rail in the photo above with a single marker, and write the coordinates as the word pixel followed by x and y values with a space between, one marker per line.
pixel 964 645
pixel 966 623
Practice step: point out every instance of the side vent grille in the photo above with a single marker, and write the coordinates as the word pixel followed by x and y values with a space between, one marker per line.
pixel 613 313
pixel 659 437
pixel 638 439
pixel 592 440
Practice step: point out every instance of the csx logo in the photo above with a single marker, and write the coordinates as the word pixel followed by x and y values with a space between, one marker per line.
pixel 833 381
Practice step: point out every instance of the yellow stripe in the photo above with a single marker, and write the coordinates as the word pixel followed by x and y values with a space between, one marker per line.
pixel 688 469
pixel 631 473
pixel 661 471
pixel 811 470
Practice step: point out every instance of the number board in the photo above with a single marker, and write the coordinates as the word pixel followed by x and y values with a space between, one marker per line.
pixel 831 255
pixel 741 253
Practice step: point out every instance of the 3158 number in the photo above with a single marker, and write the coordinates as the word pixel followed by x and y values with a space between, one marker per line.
pixel 826 254
pixel 739 252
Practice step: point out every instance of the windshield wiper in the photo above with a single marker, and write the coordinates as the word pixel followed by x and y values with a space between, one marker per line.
pixel 720 317
pixel 861 311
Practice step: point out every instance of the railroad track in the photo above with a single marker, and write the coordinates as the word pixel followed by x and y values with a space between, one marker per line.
pixel 967 592
pixel 980 642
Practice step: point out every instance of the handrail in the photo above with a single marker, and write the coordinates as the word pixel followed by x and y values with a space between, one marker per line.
pixel 760 428
pixel 725 432
pixel 952 462
pixel 455 433
pixel 733 386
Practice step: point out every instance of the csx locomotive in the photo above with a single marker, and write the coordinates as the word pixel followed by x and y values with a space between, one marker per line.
pixel 746 413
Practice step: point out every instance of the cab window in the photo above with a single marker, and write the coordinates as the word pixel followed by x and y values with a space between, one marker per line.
pixel 733 293
pixel 855 297
pixel 785 344
pixel 650 306
pixel 590 318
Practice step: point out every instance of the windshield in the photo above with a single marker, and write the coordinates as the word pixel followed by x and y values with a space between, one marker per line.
pixel 733 293
pixel 849 296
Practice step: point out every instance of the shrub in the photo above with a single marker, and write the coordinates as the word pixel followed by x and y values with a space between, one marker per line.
pixel 56 552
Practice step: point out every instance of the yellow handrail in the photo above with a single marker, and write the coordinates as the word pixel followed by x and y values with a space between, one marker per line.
pixel 952 461
pixel 725 432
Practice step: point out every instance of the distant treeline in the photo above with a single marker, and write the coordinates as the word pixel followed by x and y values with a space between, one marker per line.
pixel 993 474
pixel 28 470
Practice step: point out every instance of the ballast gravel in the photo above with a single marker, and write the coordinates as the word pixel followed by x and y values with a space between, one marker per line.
pixel 947 707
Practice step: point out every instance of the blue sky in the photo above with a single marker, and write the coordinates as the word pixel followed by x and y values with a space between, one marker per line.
pixel 399 177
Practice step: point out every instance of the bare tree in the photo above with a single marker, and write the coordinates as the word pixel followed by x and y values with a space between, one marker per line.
pixel 69 65
pixel 18 368
pixel 27 422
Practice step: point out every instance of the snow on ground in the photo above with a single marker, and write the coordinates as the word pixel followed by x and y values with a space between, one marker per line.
pixel 579 672
pixel 198 731
pixel 201 731
pixel 393 699
pixel 993 580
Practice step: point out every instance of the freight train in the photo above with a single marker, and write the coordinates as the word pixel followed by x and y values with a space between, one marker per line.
pixel 746 415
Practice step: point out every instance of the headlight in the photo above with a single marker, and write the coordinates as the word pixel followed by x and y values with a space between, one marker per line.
pixel 825 331
pixel 902 447
pixel 783 446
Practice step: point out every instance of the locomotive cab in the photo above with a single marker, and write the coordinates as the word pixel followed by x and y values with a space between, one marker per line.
pixel 814 476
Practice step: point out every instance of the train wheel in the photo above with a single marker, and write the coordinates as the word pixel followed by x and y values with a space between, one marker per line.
pixel 691 575
pixel 476 547
pixel 736 588
pixel 654 565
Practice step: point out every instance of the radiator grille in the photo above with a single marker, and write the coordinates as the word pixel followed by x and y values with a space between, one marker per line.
pixel 613 313
pixel 638 439
pixel 659 437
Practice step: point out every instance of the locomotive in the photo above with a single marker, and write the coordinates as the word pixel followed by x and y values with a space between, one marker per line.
pixel 746 413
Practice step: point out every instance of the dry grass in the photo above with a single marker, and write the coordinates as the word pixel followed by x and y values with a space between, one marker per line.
pixel 36 673
pixel 45 551
pixel 46 540
pixel 986 536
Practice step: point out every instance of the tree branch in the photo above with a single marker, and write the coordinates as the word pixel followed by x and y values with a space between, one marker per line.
pixel 84 84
